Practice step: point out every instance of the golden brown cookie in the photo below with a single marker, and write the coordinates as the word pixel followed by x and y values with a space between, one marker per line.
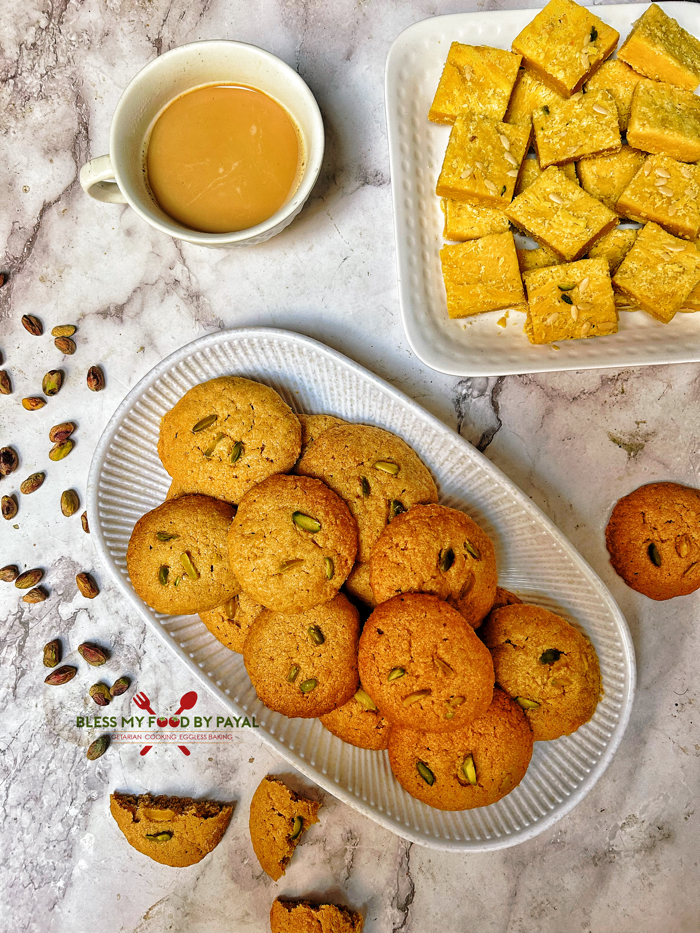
pixel 178 556
pixel 358 722
pixel 470 768
pixel 178 489
pixel 231 621
pixel 433 549
pixel 505 598
pixel 423 665
pixel 278 817
pixel 304 665
pixel 653 537
pixel 312 426
pixel 374 471
pixel 547 666
pixel 293 542
pixel 304 917
pixel 226 435
pixel 175 831
pixel 357 585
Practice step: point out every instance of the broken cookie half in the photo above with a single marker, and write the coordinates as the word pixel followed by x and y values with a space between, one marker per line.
pixel 278 817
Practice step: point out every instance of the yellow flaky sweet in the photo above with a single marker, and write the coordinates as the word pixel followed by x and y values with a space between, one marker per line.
pixel 660 48
pixel 620 80
pixel 476 78
pixel 666 192
pixel 565 44
pixel 606 177
pixel 560 215
pixel 614 247
pixel 530 171
pixel 467 221
pixel 482 160
pixel 584 125
pixel 482 275
pixel 529 92
pixel 659 272
pixel 531 259
pixel 665 119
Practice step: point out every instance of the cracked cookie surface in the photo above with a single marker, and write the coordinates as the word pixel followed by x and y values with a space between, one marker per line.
pixel 231 621
pixel 278 817
pixel 358 724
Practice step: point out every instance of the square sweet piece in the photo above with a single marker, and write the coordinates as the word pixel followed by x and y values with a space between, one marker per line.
pixel 570 301
pixel 606 177
pixel 659 272
pixel 529 92
pixel 564 44
pixel 560 215
pixel 619 80
pixel 530 171
pixel 665 119
pixel 531 259
pixel 584 125
pixel 667 192
pixel 660 48
pixel 475 78
pixel 482 160
pixel 614 247
pixel 482 275
pixel 467 221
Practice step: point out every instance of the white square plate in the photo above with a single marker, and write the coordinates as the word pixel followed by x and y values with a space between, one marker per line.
pixel 534 559
pixel 416 150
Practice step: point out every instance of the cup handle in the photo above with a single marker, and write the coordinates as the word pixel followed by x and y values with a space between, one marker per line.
pixel 93 180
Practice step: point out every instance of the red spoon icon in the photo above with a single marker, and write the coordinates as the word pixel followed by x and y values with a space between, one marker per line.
pixel 187 701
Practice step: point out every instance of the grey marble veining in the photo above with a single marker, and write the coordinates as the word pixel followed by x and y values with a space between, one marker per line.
pixel 625 860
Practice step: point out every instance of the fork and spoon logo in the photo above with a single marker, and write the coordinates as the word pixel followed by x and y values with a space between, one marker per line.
pixel 187 702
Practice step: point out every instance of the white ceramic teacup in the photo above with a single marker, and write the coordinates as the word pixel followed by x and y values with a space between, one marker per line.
pixel 167 77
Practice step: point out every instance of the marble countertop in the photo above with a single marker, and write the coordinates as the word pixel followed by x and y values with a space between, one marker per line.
pixel 625 860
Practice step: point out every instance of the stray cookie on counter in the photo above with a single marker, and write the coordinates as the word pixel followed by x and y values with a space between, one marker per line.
pixel 278 817
pixel 304 917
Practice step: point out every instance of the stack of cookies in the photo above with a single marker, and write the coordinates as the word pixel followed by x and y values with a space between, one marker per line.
pixel 271 513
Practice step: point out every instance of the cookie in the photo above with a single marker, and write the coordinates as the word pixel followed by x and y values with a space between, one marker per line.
pixel 312 426
pixel 305 917
pixel 653 537
pixel 546 665
pixel 177 556
pixel 470 768
pixel 423 665
pixel 175 831
pixel 505 598
pixel 374 471
pixel 358 586
pixel 178 489
pixel 304 665
pixel 358 722
pixel 278 817
pixel 226 435
pixel 433 549
pixel 231 622
pixel 293 542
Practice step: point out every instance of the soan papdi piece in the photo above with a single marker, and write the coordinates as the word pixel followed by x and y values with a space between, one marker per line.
pixel 666 192
pixel 665 119
pixel 619 80
pixel 467 221
pixel 585 125
pixel 606 177
pixel 482 275
pixel 278 817
pixel 478 79
pixel 660 48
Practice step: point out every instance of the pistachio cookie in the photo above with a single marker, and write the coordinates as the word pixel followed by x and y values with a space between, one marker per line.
pixel 547 666
pixel 471 768
pixel 305 917
pixel 304 665
pixel 226 435
pixel 175 831
pixel 424 666
pixel 177 556
pixel 374 471
pixel 278 817
pixel 358 722
pixel 433 549
pixel 231 622
pixel 312 426
pixel 505 598
pixel 653 537
pixel 293 542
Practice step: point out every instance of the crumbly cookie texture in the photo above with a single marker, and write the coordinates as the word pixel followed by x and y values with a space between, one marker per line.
pixel 476 78
pixel 304 917
pixel 178 556
pixel 305 664
pixel 231 621
pixel 292 543
pixel 437 550
pixel 375 472
pixel 471 768
pixel 359 722
pixel 660 48
pixel 226 435
pixel 278 817
pixel 546 665
pixel 653 538
pixel 175 831
pixel 423 665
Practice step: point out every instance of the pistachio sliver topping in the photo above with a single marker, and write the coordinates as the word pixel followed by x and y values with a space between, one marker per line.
pixel 473 550
pixel 524 703
pixel 565 288
pixel 396 507
pixel 163 575
pixel 446 559
pixel 308 685
pixel 416 697
pixel 212 447
pixel 450 714
pixel 290 564
pixel 425 773
pixel 386 466
pixel 189 567
pixel 550 656
pixel 364 487
pixel 469 770
pixel 306 522
pixel 297 827
pixel 315 634
pixel 330 569
pixel 364 699
pixel 160 837
pixel 456 701
pixel 166 536
pixel 205 423
pixel 395 674
pixel 654 555
pixel 293 673
pixel 236 452
pixel 443 666
pixel 466 586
